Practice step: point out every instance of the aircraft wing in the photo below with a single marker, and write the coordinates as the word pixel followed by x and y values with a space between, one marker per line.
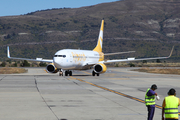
pixel 133 59
pixel 36 60
pixel 106 54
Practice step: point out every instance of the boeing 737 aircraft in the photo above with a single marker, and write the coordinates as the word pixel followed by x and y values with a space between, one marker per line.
pixel 72 59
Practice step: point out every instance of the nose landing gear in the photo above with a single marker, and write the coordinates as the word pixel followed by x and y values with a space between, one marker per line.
pixel 60 73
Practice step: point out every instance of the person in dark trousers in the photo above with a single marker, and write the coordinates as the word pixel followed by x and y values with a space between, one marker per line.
pixel 170 106
pixel 150 101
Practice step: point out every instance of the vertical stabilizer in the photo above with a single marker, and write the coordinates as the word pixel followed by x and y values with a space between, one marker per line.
pixel 98 47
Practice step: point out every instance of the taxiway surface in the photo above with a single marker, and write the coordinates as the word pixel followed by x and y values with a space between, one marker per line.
pixel 116 95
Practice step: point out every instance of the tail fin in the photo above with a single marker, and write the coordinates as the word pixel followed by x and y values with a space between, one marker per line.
pixel 98 47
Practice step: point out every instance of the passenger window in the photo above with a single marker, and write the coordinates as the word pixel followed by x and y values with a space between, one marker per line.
pixel 64 56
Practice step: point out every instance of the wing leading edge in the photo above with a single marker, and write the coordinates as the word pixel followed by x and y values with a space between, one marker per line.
pixel 36 60
pixel 133 59
pixel 107 54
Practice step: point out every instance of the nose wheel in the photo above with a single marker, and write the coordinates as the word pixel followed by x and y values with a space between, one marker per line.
pixel 60 73
pixel 68 72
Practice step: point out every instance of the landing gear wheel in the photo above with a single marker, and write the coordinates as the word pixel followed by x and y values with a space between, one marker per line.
pixel 68 72
pixel 60 73
pixel 93 73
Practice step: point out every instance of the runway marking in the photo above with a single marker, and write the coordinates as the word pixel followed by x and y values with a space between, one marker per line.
pixel 45 70
pixel 119 93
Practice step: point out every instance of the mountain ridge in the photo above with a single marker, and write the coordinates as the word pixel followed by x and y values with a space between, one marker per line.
pixel 151 27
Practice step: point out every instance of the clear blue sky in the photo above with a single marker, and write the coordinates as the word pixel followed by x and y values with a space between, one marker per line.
pixel 20 7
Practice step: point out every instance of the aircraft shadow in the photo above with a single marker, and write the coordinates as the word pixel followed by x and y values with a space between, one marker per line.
pixel 81 75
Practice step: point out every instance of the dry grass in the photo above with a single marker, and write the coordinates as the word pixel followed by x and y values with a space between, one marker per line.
pixel 160 71
pixel 159 64
pixel 11 70
pixel 149 64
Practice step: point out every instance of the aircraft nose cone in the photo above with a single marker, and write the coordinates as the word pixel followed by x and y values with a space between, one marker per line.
pixel 57 62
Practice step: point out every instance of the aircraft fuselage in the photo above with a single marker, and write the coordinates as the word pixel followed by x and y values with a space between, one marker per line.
pixel 73 59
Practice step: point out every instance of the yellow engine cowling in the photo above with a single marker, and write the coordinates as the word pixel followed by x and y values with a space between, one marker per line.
pixel 100 68
pixel 51 68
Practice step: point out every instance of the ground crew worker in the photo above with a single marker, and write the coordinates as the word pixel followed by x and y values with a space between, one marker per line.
pixel 170 106
pixel 150 101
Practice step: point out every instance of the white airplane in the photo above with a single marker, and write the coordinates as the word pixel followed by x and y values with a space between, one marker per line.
pixel 73 59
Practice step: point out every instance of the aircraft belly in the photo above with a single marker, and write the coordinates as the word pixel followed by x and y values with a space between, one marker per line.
pixel 73 68
pixel 69 66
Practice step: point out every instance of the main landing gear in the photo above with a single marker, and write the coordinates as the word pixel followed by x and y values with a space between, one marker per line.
pixel 68 72
pixel 93 73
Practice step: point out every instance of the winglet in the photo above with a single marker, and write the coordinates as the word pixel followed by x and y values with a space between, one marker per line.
pixel 171 52
pixel 8 53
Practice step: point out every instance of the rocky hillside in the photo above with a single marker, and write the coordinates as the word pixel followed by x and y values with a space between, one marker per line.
pixel 150 27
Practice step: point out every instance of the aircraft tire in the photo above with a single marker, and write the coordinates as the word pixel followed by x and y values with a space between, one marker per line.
pixel 93 73
pixel 60 73
pixel 70 73
pixel 66 73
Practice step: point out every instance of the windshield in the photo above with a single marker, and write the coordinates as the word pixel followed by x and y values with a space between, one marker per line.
pixel 60 56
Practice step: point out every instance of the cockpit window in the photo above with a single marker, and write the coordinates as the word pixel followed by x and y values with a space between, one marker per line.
pixel 60 56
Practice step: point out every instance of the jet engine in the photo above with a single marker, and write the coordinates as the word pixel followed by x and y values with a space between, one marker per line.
pixel 51 68
pixel 100 68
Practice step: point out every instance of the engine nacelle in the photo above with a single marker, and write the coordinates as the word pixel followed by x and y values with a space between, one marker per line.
pixel 51 68
pixel 100 68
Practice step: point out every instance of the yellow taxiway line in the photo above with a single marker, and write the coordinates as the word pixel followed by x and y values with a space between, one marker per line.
pixel 119 93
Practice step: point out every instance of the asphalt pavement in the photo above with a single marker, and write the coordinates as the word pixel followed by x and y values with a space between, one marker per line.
pixel 117 94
